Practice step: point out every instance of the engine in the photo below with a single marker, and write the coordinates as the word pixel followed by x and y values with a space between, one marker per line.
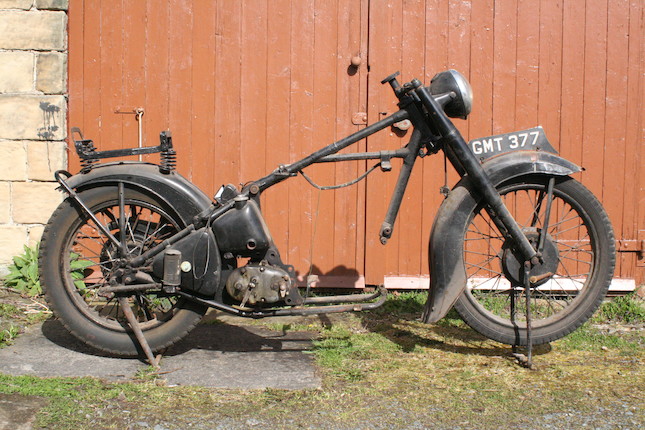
pixel 258 284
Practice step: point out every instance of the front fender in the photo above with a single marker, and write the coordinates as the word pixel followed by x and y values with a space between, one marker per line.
pixel 182 195
pixel 447 271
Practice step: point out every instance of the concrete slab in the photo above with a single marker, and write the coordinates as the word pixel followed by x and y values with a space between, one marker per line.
pixel 19 412
pixel 220 355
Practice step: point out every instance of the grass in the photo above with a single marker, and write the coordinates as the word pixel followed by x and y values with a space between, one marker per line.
pixel 386 369
pixel 626 309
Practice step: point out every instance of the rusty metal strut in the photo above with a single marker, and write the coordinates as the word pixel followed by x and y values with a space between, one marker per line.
pixel 138 333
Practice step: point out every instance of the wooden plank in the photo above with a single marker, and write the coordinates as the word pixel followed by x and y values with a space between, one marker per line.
pixel 111 58
pixel 633 215
pixel 634 139
pixel 437 14
pixel 384 58
pixel 76 75
pixel 324 119
pixel 347 101
pixel 550 69
pixel 361 201
pixel 436 31
pixel 180 75
pixel 157 71
pixel 593 131
pixel 459 42
pixel 573 26
pixel 202 139
pixel 505 66
pixel 302 135
pixel 413 240
pixel 528 52
pixel 133 93
pixel 481 79
pixel 617 285
pixel 616 110
pixel 481 68
pixel 226 167
pixel 253 90
pixel 275 209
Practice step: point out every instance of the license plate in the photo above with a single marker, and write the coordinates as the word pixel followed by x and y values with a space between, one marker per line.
pixel 532 139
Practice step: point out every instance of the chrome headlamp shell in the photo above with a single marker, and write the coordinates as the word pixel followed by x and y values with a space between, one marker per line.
pixel 451 81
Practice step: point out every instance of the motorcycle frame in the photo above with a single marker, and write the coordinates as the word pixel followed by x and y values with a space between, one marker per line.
pixel 433 131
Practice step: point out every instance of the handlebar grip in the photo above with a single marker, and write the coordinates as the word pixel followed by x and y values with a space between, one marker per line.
pixel 393 82
pixel 391 77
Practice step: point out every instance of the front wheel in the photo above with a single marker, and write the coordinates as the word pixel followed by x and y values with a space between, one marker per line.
pixel 579 263
pixel 76 259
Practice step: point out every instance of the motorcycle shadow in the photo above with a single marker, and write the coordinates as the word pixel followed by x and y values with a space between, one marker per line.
pixel 217 337
pixel 449 335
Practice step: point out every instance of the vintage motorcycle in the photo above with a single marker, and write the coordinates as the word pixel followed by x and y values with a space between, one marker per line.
pixel 135 255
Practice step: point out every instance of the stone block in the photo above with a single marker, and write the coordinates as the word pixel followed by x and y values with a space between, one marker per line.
pixel 17 71
pixel 51 73
pixel 34 202
pixel 32 117
pixel 44 31
pixel 44 158
pixel 12 239
pixel 13 162
pixel 5 203
pixel 52 4
pixel 35 233
pixel 16 4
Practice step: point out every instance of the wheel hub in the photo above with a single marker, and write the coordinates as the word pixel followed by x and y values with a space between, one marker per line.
pixel 513 261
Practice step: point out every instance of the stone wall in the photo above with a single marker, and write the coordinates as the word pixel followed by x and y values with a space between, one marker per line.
pixel 33 113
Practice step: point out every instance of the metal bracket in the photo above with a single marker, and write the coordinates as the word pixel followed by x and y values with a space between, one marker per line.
pixel 386 164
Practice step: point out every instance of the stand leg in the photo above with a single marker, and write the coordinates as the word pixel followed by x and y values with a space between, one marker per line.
pixel 136 328
pixel 527 292
pixel 514 320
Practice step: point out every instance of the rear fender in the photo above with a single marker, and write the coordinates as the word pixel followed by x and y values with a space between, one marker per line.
pixel 447 271
pixel 180 194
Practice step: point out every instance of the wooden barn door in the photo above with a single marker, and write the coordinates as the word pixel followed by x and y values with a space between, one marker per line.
pixel 248 85
pixel 573 67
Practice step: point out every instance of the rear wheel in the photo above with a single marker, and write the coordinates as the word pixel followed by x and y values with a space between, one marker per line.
pixel 76 259
pixel 578 263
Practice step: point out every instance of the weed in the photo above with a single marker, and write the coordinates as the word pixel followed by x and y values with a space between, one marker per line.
pixel 23 273
pixel 8 335
pixel 8 310
pixel 77 271
pixel 627 309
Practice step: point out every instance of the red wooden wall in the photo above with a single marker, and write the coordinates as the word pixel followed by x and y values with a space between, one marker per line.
pixel 248 85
